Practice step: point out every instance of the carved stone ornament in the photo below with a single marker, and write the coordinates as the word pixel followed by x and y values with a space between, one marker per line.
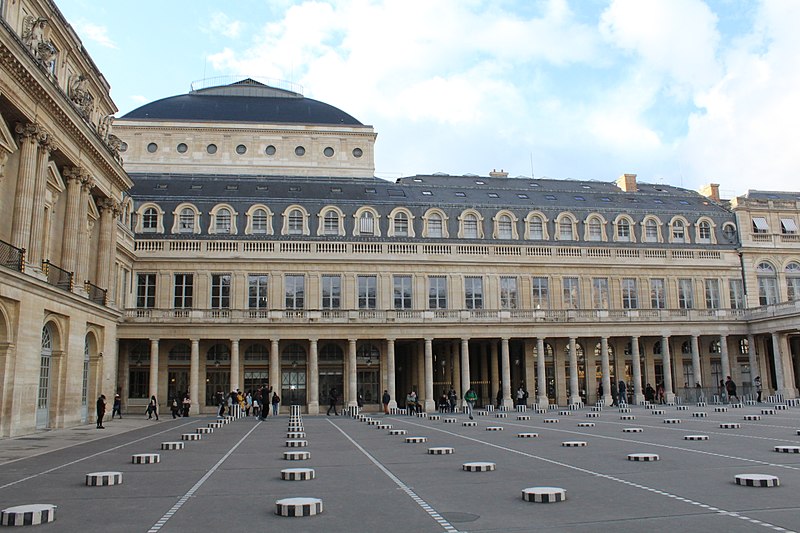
pixel 36 36
pixel 28 130
pixel 78 91
pixel 3 160
pixel 104 127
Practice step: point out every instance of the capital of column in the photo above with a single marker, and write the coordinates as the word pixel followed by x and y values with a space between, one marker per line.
pixel 28 130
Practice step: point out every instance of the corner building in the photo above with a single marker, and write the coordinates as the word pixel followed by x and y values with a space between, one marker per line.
pixel 265 251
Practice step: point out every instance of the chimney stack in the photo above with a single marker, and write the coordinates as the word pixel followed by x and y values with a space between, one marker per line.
pixel 711 191
pixel 627 182
pixel 495 174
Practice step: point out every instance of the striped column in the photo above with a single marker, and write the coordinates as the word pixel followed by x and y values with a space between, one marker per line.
pixel 605 371
pixel 506 373
pixel 574 393
pixel 669 395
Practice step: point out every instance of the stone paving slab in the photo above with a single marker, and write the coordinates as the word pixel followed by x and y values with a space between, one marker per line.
pixel 372 481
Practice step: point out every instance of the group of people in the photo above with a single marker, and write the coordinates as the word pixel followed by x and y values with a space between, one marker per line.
pixel 257 402
pixel 101 409
pixel 619 393
pixel 447 401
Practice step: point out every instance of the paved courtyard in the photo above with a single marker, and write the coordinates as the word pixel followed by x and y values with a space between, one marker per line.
pixel 369 480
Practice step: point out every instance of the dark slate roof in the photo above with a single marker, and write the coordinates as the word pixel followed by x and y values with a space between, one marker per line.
pixel 246 102
pixel 452 194
pixel 772 195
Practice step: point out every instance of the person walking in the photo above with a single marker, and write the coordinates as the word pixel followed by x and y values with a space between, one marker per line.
pixel 757 383
pixel 622 392
pixel 499 398
pixel 185 405
pixel 722 391
pixel 174 408
pixel 730 388
pixel 275 401
pixel 332 402
pixel 152 408
pixel 101 411
pixel 452 397
pixel 469 400
pixel 117 407
pixel 386 399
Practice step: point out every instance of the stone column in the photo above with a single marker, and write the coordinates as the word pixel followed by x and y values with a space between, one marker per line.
pixel 28 135
pixel 530 370
pixel 390 377
pixel 352 374
pixel 430 403
pixel 455 382
pixel 574 393
pixel 109 209
pixel 69 248
pixel 724 357
pixel 541 377
pixel 494 384
pixel 194 378
pixel 81 267
pixel 638 395
pixel 780 384
pixel 604 366
pixel 669 395
pixel 275 366
pixel 506 372
pixel 466 377
pixel 312 404
pixel 752 358
pixel 234 378
pixel 696 370
pixel 153 384
pixel 38 221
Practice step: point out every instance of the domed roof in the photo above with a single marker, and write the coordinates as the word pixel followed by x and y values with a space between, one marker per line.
pixel 244 101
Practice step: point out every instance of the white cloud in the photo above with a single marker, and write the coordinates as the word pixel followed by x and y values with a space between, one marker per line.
pixel 139 99
pixel 222 24
pixel 95 33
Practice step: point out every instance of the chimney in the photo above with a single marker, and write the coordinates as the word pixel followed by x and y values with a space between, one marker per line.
pixel 627 182
pixel 711 191
pixel 495 174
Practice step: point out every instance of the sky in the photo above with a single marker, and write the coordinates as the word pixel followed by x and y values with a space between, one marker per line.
pixel 681 92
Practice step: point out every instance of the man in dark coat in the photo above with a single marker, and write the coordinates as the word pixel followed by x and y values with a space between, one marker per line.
pixel 332 401
pixel 101 411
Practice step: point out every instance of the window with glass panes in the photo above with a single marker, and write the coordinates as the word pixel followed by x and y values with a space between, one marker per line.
pixel 366 223
pixel 220 291
pixel 595 229
pixel 150 220
pixel 367 292
pixel 184 289
pixel 712 294
pixel 331 292
pixel 401 225
pixel 736 293
pixel 435 226
pixel 536 229
pixel 678 231
pixel 294 288
pixel 685 294
pixel 330 224
pixel 630 294
pixel 658 294
pixel 541 293
pixel 508 292
pixel 470 227
pixel 402 292
pixel 295 222
pixel 186 221
pixel 565 229
pixel 571 295
pixel 259 221
pixel 223 221
pixel 145 291
pixel 792 271
pixel 437 292
pixel 504 230
pixel 600 293
pixel 767 284
pixel 257 285
pixel 473 292
pixel 623 230
pixel 704 232
pixel 651 231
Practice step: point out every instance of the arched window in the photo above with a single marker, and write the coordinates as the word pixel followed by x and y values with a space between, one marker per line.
pixel 222 222
pixel 180 353
pixel 368 355
pixel 650 230
pixel 218 354
pixel 366 223
pixel 186 221
pixel 330 223
pixel 295 222
pixel 504 227
pixel 678 231
pixel 767 284
pixel 565 229
pixel 792 281
pixel 260 221
pixel 704 232
pixel 435 226
pixel 623 230
pixel 401 224
pixel 470 226
pixel 293 355
pixel 595 232
pixel 331 354
pixel 536 228
pixel 150 220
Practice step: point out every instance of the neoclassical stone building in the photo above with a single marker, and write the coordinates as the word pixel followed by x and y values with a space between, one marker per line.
pixel 253 244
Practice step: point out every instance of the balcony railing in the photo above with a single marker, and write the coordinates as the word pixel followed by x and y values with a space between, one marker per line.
pixel 58 277
pixel 96 294
pixel 12 257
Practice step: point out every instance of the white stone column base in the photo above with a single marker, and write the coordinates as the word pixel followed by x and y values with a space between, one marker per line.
pixel 430 406
pixel 313 408
pixel 508 402
pixel 542 402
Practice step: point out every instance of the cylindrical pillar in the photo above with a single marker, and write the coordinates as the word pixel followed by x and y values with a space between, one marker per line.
pixel 352 374
pixel 466 377
pixel 36 250
pixel 153 384
pixel 430 403
pixel 506 372
pixel 275 366
pixel 530 368
pixel 541 399
pixel 574 393
pixel 605 368
pixel 666 359
pixel 390 373
pixel 696 370
pixel 638 395
pixel 194 377
pixel 234 377
pixel 313 378
pixel 69 248
pixel 780 385
pixel 724 357
pixel 752 358
pixel 494 384
pixel 26 183
pixel 107 241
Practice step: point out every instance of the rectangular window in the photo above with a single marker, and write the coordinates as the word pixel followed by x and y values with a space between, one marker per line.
pixel 571 293
pixel 767 290
pixel 184 289
pixel 536 229
pixel 651 231
pixel 736 293
pixel 712 294
pixel 473 292
pixel 435 226
pixel 658 294
pixel 257 291
pixel 470 228
pixel 437 292
pixel 788 226
pixel 401 225
pixel 760 225
pixel 260 221
pixel 220 291
pixel 367 292
pixel 792 288
pixel 402 292
pixel 294 291
pixel 600 293
pixel 138 382
pixel 630 294
pixel 508 293
pixel 331 292
pixel 541 293
pixel 366 224
pixel 685 294
pixel 145 291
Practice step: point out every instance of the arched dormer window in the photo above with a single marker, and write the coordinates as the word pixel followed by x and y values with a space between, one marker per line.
pixel 678 231
pixel 470 225
pixel 435 225
pixel 624 229
pixel 705 232
pixel 331 222
pixel 295 221
pixel 223 220
pixel 505 226
pixel 401 223
pixel 367 223
pixel 536 227
pixel 150 219
pixel 566 227
pixel 187 219
pixel 651 230
pixel 259 221
pixel 595 229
